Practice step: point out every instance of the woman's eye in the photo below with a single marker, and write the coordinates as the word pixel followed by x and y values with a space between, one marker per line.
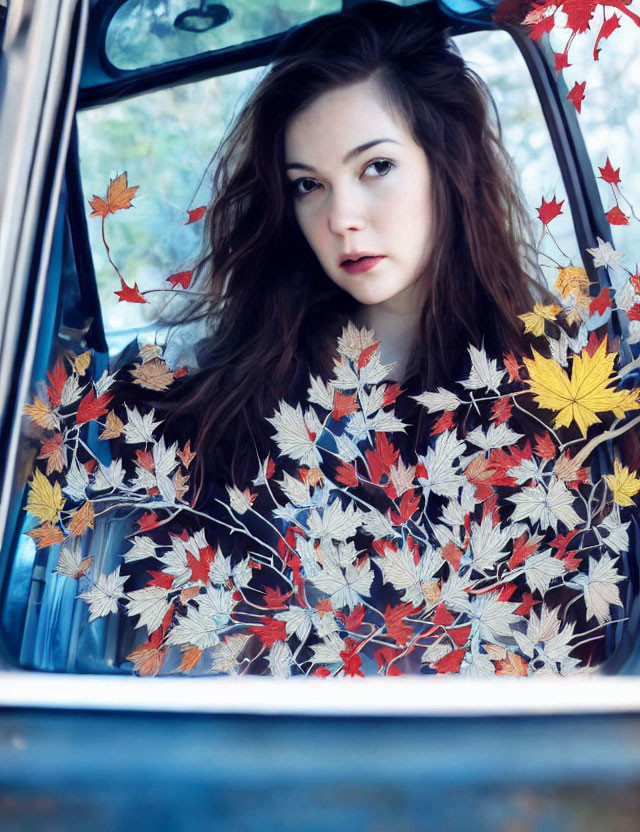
pixel 297 190
pixel 385 163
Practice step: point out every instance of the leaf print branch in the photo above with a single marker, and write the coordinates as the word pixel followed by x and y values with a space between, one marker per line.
pixel 118 198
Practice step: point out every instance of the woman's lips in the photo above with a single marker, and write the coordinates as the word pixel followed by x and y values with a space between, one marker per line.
pixel 362 265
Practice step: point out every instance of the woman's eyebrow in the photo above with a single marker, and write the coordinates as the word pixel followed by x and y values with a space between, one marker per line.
pixel 350 155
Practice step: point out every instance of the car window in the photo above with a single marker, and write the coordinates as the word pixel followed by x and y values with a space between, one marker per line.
pixel 143 33
pixel 139 136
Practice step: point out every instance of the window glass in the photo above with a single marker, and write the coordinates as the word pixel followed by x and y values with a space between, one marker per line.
pixel 148 32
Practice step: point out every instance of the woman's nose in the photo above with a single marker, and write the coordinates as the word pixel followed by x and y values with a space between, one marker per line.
pixel 346 212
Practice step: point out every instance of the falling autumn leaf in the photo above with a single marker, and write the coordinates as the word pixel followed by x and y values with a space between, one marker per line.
pixel 624 484
pixel 153 375
pixel 549 210
pixel 534 321
pixel 588 391
pixel 196 214
pixel 180 279
pixel 601 303
pixel 616 217
pixel 45 500
pixel 576 96
pixel 571 279
pixel 608 174
pixel 119 196
pixel 129 294
pixel 147 659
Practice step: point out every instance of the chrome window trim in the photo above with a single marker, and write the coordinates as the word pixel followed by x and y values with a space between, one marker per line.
pixel 38 91
pixel 299 696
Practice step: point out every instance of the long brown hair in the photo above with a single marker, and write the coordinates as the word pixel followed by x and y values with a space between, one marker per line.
pixel 272 312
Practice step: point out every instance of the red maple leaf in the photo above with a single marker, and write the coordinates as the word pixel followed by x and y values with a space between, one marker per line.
pixel 635 281
pixel 397 629
pixel 443 616
pixel 522 548
pixel 460 635
pixel 321 671
pixel 526 604
pixel 576 96
pixel 561 541
pixel 181 372
pixel 351 658
pixel 501 410
pixel 608 174
pixel 346 474
pixel 160 579
pixel 270 630
pixel 196 214
pixel 609 25
pixel 570 559
pixel 343 404
pixel 199 566
pixel 148 521
pixel 186 455
pixel 391 393
pixel 452 555
pixel 180 279
pixel 616 217
pixel 130 294
pixel 506 592
pixel 57 378
pixel 384 656
pixel 365 356
pixel 634 313
pixel 601 303
pixel 560 61
pixel 511 365
pixel 92 408
pixel 408 506
pixel 545 447
pixel 549 210
pixel 353 621
pixel 543 26
pixel 274 599
pixel 451 662
pixel 145 460
pixel 445 422
pixel 382 458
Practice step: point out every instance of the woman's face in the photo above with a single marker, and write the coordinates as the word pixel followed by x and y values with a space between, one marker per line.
pixel 362 186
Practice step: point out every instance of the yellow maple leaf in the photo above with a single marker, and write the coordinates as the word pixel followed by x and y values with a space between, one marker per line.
pixel 81 362
pixel 45 500
pixel 624 484
pixel 571 279
pixel 534 321
pixel 119 196
pixel 42 414
pixel 588 391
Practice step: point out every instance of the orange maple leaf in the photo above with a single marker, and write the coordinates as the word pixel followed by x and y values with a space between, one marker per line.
pixel 119 196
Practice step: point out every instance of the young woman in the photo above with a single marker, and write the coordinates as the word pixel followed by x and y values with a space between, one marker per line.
pixel 363 179
pixel 361 197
